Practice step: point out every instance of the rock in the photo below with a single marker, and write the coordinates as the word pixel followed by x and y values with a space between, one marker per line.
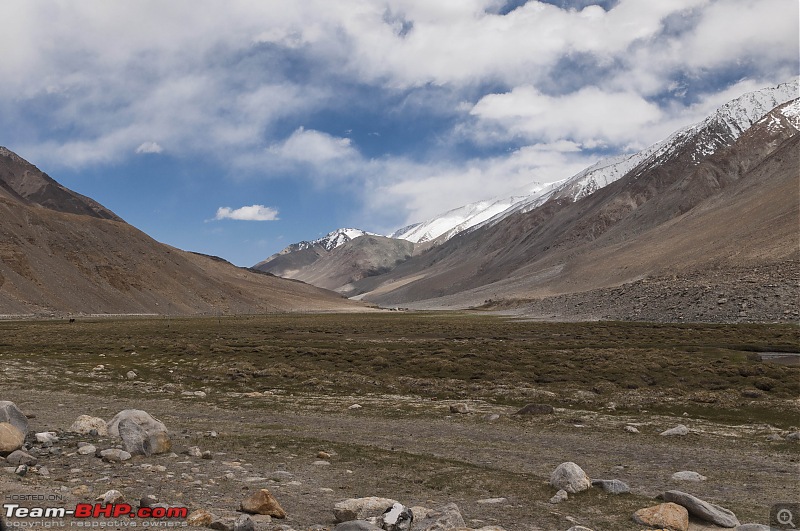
pixel 262 502
pixel 443 518
pixel 631 429
pixel 361 508
pixel 461 409
pixel 47 437
pixel 702 509
pixel 207 455
pixel 491 501
pixel 194 451
pixel 111 496
pixel 131 375
pixel 491 417
pixel 679 430
pixel 85 424
pixel 9 412
pixel 134 438
pixel 687 475
pixel 559 497
pixel 752 527
pixel 354 407
pixel 774 437
pixel 669 516
pixel 578 528
pixel 155 430
pixel 536 409
pixel 11 437
pixel 396 518
pixel 88 449
pixel 323 455
pixel 43 471
pixel 21 470
pixel 18 457
pixel 222 524
pixel 115 455
pixel 612 486
pixel 570 477
pixel 244 523
pixel 356 525
pixel 794 436
pixel 200 518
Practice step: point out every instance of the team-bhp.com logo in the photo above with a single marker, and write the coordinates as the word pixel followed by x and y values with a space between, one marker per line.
pixel 94 510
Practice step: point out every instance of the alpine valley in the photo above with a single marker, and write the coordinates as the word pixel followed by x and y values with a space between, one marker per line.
pixel 700 226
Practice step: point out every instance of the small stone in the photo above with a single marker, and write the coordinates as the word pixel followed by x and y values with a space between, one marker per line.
pixel 47 437
pixel 43 471
pixel 570 477
pixel 131 375
pixel 396 518
pixel 491 417
pixel 111 496
pixel 207 455
pixel 631 429
pixel 321 463
pixel 18 457
pixel 460 409
pixel 88 449
pixel 200 518
pixel 446 517
pixel 262 502
pixel 668 516
pixel 21 470
pixel 679 430
pixel 687 475
pixel 194 451
pixel 85 424
pixel 794 436
pixel 355 406
pixel 492 501
pixel 115 455
pixel 612 486
pixel 536 409
pixel 560 496
pixel 774 437
pixel 244 523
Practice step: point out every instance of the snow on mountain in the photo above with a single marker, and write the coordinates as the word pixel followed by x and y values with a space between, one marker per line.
pixel 462 218
pixel 330 241
pixel 718 130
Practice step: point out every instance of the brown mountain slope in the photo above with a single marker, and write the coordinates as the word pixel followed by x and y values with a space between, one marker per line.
pixel 71 255
pixel 668 219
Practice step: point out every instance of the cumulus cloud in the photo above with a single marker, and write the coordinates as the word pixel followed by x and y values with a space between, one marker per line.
pixel 248 213
pixel 149 147
pixel 314 147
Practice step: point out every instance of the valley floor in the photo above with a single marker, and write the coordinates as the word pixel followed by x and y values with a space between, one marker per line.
pixel 278 390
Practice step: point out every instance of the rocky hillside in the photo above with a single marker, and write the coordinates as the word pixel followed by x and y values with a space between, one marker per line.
pixel 62 253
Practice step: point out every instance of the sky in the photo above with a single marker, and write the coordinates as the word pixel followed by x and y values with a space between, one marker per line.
pixel 237 127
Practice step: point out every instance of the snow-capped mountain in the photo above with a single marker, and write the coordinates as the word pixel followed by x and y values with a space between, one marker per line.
pixel 330 241
pixel 717 131
pixel 454 221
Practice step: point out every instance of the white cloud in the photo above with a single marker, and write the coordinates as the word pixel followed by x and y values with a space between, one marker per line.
pixel 149 147
pixel 248 213
pixel 313 147
pixel 590 116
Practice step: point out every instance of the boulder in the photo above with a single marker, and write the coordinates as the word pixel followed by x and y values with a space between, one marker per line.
pixel 361 508
pixel 612 486
pixel 702 509
pixel 157 437
pixel 9 412
pixel 446 517
pixel 11 437
pixel 85 424
pixel 396 518
pixel 536 409
pixel 679 430
pixel 570 477
pixel 262 502
pixel 670 516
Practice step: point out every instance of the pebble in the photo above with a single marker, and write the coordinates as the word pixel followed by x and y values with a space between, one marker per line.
pixel 87 449
pixel 688 475
pixel 559 497
pixel 679 430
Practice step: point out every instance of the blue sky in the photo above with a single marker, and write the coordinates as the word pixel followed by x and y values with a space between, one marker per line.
pixel 236 128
